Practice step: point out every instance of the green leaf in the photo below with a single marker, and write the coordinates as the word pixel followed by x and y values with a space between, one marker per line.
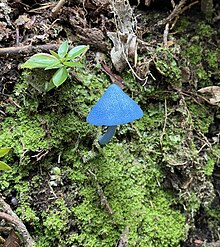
pixel 54 54
pixel 60 76
pixel 77 51
pixel 40 60
pixel 4 166
pixel 4 151
pixel 63 49
pixel 74 64
pixel 49 85
pixel 56 65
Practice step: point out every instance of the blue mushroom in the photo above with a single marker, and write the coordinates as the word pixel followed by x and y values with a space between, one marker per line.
pixel 113 108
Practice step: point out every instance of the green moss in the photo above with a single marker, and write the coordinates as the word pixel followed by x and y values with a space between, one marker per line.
pixel 194 53
pixel 204 30
pixel 23 133
pixel 55 222
pixel 167 66
pixel 183 24
pixel 209 168
pixel 201 117
pixel 132 190
pixel 212 58
pixel 200 50
pixel 27 214
pixel 213 215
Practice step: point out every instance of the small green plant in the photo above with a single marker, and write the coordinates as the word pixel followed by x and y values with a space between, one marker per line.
pixel 62 61
pixel 3 165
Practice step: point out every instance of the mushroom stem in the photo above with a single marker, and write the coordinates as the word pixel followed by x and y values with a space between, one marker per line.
pixel 104 139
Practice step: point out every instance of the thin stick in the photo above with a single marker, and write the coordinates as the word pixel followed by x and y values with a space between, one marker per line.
pixel 103 199
pixel 57 8
pixel 11 51
pixel 165 35
pixel 165 123
pixel 177 11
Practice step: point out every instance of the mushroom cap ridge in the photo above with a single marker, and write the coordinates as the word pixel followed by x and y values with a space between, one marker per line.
pixel 114 108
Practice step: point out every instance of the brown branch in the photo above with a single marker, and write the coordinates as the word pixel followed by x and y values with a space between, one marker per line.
pixel 177 11
pixel 27 49
pixel 9 216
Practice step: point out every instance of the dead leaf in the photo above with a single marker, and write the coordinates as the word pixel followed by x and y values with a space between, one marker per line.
pixel 114 78
pixel 22 19
pixel 4 30
pixel 212 93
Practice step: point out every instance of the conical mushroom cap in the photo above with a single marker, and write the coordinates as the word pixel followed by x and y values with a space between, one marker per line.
pixel 114 108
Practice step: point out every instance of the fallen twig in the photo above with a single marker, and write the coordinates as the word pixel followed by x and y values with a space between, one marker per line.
pixel 23 50
pixel 114 78
pixel 103 199
pixel 57 8
pixel 165 35
pixel 42 7
pixel 165 123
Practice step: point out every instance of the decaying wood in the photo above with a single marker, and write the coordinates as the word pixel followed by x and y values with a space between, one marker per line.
pixel 9 216
pixel 89 36
pixel 165 36
pixel 93 37
pixel 124 38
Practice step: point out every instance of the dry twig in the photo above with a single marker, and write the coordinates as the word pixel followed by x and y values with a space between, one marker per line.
pixel 165 35
pixel 104 202
pixel 57 8
pixel 12 51
pixel 165 123
pixel 177 11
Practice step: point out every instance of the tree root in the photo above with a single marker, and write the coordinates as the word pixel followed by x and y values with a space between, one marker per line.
pixel 10 217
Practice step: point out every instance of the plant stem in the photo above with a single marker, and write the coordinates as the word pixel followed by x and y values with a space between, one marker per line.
pixel 104 139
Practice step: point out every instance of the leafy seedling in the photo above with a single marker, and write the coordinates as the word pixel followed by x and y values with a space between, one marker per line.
pixel 63 61
pixel 3 165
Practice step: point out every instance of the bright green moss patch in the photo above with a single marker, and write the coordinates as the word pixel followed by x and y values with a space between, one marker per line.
pixel 131 197
pixel 23 133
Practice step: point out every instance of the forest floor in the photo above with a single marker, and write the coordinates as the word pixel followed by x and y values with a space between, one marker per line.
pixel 156 184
